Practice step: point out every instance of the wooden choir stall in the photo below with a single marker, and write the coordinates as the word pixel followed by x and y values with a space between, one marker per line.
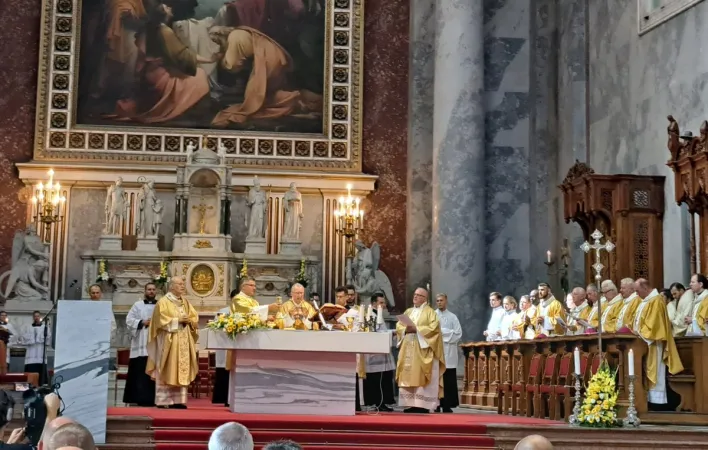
pixel 534 378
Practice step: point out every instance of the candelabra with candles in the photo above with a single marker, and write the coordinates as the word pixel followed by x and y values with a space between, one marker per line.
pixel 48 206
pixel 348 222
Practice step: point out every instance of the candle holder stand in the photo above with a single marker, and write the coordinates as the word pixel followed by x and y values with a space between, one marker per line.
pixel 574 419
pixel 632 419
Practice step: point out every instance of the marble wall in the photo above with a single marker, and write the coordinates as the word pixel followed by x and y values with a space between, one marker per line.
pixel 507 51
pixel 634 82
pixel 18 83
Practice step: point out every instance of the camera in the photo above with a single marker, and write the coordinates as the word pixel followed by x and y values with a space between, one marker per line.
pixel 35 411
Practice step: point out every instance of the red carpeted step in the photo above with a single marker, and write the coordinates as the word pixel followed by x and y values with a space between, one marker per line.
pixel 407 439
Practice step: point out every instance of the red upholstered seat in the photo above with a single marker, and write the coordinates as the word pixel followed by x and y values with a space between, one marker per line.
pixel 565 389
pixel 122 362
pixel 525 390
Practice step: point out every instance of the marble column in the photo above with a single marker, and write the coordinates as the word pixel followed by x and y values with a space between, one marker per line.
pixel 420 144
pixel 458 245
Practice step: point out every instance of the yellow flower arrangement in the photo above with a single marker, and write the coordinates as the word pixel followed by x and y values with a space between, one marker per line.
pixel 235 324
pixel 599 409
pixel 244 269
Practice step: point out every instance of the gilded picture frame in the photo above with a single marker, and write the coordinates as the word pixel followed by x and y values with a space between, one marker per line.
pixel 58 136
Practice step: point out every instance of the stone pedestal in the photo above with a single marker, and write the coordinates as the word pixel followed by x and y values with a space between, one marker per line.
pixel 255 246
pixel 458 240
pixel 290 248
pixel 107 242
pixel 147 244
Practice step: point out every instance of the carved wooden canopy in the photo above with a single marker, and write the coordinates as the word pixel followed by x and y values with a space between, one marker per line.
pixel 689 161
pixel 626 208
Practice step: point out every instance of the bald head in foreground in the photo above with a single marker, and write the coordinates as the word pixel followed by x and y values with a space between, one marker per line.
pixel 70 434
pixel 50 429
pixel 534 442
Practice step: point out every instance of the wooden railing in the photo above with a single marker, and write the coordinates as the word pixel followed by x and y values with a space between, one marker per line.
pixel 534 377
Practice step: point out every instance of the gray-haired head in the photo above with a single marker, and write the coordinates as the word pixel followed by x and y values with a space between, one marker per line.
pixel 534 442
pixel 71 435
pixel 283 445
pixel 231 436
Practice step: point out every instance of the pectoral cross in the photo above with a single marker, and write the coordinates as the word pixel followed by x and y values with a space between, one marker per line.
pixel 598 266
pixel 202 209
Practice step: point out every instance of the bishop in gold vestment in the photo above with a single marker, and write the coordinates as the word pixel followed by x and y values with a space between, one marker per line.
pixel 172 352
pixel 628 312
pixel 611 310
pixel 421 356
pixel 652 324
pixel 298 312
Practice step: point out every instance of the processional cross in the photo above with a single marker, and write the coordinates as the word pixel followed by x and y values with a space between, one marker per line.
pixel 597 267
pixel 202 209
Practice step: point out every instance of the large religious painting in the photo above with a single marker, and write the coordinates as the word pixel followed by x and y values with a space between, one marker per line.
pixel 274 82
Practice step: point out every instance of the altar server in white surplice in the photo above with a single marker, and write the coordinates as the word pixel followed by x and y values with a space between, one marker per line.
pixel 33 340
pixel 5 323
pixel 507 325
pixel 493 331
pixel 139 387
pixel 452 333
pixel 695 322
pixel 380 368
pixel 221 373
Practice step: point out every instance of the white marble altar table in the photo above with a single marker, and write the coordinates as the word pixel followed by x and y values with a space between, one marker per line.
pixel 296 372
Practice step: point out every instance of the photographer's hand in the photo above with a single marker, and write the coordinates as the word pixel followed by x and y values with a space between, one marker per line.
pixel 17 436
pixel 52 403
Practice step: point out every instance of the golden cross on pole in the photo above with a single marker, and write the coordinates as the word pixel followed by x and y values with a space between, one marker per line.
pixel 202 209
pixel 597 267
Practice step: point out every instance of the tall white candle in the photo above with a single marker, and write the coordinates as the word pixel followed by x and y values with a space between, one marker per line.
pixel 548 256
pixel 379 315
pixel 631 362
pixel 369 312
pixel 576 355
pixel 361 313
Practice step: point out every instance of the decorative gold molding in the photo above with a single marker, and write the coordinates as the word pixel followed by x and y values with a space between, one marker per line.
pixel 203 243
pixel 59 138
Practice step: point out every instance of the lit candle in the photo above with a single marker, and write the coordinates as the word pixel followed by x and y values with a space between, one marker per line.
pixel 631 363
pixel 369 311
pixel 548 255
pixel 361 314
pixel 576 355
pixel 379 315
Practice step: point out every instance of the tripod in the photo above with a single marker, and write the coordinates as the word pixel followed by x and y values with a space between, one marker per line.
pixel 44 375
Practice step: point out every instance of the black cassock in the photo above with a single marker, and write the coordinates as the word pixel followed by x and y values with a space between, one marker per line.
pixel 139 387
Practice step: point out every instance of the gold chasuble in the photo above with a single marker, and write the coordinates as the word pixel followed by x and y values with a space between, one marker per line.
pixel 551 310
pixel 172 353
pixel 300 314
pixel 653 326
pixel 593 319
pixel 245 304
pixel 421 355
pixel 610 312
pixel 628 313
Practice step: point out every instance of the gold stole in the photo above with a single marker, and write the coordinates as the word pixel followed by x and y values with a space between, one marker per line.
pixel 554 311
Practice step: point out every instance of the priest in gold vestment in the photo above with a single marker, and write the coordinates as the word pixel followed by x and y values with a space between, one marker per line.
pixel 652 324
pixel 172 352
pixel 593 296
pixel 549 318
pixel 421 357
pixel 631 301
pixel 611 310
pixel 298 312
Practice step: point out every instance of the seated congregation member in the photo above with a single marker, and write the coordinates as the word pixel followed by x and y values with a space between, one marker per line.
pixel 380 368
pixel 421 357
pixel 611 310
pixel 534 442
pixel 550 316
pixel 451 333
pixel 652 324
pixel 283 445
pixel 139 387
pixel 70 435
pixel 231 435
pixel 493 331
pixel 631 301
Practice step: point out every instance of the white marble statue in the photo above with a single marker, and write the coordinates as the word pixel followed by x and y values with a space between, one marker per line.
pixel 190 151
pixel 28 279
pixel 116 208
pixel 147 198
pixel 258 203
pixel 365 274
pixel 293 214
pixel 222 154
pixel 159 210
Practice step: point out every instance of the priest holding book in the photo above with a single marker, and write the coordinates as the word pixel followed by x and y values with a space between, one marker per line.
pixel 421 361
